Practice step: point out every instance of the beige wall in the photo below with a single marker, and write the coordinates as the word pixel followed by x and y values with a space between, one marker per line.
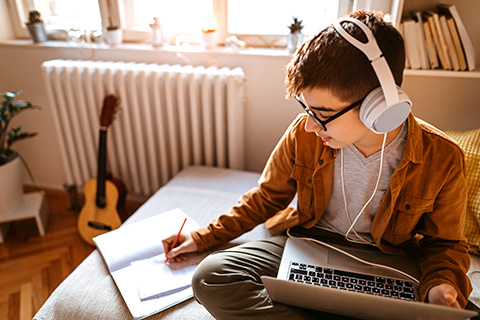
pixel 449 103
pixel 267 112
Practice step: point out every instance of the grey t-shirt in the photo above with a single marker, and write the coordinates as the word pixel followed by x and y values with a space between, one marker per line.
pixel 360 178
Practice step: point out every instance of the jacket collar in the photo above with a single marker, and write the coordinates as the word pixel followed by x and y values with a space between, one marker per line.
pixel 414 145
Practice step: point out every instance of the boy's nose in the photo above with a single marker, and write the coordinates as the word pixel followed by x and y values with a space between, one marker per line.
pixel 312 126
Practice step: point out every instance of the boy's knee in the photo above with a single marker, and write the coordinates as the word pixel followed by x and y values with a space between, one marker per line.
pixel 204 274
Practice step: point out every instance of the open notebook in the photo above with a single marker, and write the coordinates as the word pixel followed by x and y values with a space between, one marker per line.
pixel 316 277
pixel 135 258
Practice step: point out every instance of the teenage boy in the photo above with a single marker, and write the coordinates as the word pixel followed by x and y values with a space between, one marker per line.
pixel 332 160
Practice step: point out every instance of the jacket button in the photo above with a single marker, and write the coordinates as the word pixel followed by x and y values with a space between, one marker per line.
pixel 309 180
pixel 407 206
pixel 320 161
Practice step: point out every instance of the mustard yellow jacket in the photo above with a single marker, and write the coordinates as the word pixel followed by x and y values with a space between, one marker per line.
pixel 425 202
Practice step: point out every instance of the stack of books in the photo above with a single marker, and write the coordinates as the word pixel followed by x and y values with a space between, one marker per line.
pixel 437 40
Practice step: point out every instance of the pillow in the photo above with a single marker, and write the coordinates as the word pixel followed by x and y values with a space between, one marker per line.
pixel 470 143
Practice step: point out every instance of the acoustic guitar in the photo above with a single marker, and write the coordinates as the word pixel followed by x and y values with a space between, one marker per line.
pixel 104 208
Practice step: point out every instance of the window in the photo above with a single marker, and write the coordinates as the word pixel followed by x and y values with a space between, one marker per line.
pixel 258 22
pixel 66 14
pixel 177 17
pixel 257 17
pixel 58 14
pixel 182 16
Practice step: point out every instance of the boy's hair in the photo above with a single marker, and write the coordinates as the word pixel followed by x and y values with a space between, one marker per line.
pixel 330 62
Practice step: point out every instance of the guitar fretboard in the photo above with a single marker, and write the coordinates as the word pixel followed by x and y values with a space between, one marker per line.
pixel 100 199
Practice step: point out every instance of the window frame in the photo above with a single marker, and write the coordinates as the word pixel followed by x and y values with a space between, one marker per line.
pixel 116 9
pixel 15 9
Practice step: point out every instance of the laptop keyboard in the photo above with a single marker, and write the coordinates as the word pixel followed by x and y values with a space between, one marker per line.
pixel 351 281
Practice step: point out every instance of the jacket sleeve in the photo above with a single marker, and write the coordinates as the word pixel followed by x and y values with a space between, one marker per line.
pixel 444 247
pixel 275 192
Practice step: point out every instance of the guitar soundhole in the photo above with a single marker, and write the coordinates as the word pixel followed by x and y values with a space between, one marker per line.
pixel 99 225
pixel 101 202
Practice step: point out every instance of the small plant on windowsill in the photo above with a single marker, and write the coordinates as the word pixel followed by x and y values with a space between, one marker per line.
pixel 34 16
pixel 36 27
pixel 296 26
pixel 295 37
pixel 114 33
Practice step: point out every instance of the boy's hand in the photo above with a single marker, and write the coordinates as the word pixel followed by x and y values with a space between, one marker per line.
pixel 444 294
pixel 185 244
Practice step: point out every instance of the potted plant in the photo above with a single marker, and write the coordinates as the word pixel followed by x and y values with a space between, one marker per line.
pixel 114 33
pixel 36 27
pixel 11 190
pixel 295 37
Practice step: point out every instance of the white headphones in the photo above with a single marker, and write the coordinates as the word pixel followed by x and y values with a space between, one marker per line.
pixel 387 106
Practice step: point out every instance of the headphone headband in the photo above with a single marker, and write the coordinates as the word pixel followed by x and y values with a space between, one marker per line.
pixel 370 48
pixel 384 75
pixel 374 55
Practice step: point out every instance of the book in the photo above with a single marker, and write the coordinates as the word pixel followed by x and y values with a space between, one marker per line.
pixel 449 41
pixel 411 43
pixel 469 50
pixel 138 247
pixel 430 16
pixel 457 43
pixel 431 51
pixel 422 45
pixel 443 43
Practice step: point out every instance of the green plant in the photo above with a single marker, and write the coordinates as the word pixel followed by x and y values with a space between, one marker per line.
pixel 296 26
pixel 8 110
pixel 34 16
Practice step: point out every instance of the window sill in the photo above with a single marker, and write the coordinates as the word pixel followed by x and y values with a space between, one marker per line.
pixel 148 48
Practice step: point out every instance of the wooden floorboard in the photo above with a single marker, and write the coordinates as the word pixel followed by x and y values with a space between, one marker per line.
pixel 31 266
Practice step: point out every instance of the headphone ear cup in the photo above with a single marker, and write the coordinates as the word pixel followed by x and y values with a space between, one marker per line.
pixel 379 117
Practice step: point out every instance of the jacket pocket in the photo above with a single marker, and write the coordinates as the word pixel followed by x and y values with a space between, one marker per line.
pixel 409 210
pixel 304 178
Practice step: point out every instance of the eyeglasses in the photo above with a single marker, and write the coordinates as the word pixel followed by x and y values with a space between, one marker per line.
pixel 323 123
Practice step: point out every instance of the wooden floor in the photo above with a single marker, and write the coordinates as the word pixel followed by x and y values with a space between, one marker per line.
pixel 31 267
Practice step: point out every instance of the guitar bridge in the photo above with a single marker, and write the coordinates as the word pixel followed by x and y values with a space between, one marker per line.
pixel 99 225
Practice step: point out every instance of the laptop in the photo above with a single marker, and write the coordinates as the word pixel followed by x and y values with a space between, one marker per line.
pixel 317 277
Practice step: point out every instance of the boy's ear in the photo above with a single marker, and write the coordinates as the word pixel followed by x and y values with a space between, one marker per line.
pixel 380 117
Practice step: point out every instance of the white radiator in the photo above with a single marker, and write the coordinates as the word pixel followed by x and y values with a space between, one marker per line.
pixel 172 117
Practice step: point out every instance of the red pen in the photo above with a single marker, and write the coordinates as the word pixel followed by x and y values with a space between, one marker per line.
pixel 176 239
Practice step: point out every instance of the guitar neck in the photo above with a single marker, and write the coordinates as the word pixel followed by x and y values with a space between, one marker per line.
pixel 102 169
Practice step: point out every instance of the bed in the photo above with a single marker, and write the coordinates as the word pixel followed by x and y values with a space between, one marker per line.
pixel 204 193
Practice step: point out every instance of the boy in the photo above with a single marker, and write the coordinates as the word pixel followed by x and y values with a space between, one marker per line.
pixel 331 160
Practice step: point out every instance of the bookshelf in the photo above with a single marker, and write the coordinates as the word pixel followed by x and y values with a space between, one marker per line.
pixel 468 11
pixel 475 74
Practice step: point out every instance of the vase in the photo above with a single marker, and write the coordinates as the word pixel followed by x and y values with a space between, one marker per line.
pixel 294 41
pixel 11 188
pixel 38 31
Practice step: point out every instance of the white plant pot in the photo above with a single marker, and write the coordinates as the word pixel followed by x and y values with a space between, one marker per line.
pixel 114 37
pixel 209 40
pixel 38 31
pixel 11 189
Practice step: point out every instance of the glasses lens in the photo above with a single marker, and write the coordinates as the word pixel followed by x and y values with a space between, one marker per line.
pixel 311 113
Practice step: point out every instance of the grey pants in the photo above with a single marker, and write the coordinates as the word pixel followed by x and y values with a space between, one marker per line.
pixel 227 283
